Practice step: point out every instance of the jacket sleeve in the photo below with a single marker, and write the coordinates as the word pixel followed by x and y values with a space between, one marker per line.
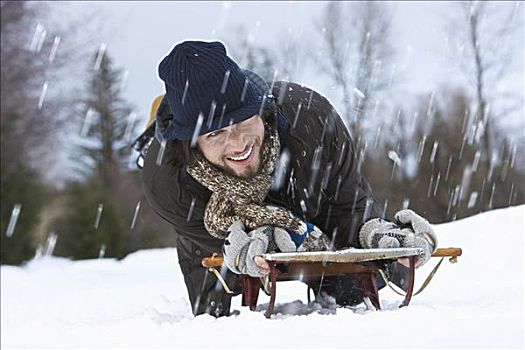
pixel 181 203
pixel 346 198
pixel 349 198
pixel 175 196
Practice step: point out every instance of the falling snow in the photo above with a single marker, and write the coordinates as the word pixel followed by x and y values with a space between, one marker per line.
pixel 88 120
pixel 197 130
pixel 13 219
pixel 99 215
pixel 38 38
pixel 394 157
pixel 100 56
pixel 132 117
pixel 135 214
pixel 160 155
pixel 42 95
pixel 281 169
pixel 54 49
pixel 359 93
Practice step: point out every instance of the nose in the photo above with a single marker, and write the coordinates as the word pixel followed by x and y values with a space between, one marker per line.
pixel 236 139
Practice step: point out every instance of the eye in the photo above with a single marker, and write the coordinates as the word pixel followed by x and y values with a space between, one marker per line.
pixel 214 133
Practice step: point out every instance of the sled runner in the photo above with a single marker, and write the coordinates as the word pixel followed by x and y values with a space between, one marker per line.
pixel 363 264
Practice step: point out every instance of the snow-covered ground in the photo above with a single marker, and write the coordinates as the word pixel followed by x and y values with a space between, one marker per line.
pixel 141 301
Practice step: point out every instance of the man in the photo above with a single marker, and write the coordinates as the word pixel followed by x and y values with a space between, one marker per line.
pixel 241 167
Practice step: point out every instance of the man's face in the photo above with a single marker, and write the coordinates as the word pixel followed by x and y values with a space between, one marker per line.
pixel 236 149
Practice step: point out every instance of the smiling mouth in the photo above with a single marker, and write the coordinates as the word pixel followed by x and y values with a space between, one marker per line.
pixel 243 156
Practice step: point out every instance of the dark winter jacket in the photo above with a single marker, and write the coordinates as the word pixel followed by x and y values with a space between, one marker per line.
pixel 322 185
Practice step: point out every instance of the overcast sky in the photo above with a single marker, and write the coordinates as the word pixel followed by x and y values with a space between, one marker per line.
pixel 139 34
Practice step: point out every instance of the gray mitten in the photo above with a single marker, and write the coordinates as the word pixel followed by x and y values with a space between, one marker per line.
pixel 258 246
pixel 420 226
pixel 240 248
pixel 263 240
pixel 235 247
pixel 307 237
pixel 410 231
pixel 282 240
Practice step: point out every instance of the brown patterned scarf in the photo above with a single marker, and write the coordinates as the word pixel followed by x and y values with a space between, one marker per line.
pixel 235 198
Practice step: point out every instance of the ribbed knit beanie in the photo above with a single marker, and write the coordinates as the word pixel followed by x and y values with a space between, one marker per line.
pixel 206 90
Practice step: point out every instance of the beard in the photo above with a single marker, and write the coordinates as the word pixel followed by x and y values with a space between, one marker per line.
pixel 249 172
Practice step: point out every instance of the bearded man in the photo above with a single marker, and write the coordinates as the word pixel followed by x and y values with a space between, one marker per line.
pixel 241 167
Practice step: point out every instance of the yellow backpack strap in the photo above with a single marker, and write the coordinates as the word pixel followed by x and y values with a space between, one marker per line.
pixel 154 108
pixel 141 144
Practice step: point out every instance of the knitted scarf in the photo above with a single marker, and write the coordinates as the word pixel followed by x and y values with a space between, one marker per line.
pixel 234 198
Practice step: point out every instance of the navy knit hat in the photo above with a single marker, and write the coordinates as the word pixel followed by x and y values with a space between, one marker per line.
pixel 206 90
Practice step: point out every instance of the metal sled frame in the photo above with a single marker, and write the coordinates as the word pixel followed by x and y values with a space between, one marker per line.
pixel 363 264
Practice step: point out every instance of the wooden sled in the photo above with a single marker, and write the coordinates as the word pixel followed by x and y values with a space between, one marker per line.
pixel 362 264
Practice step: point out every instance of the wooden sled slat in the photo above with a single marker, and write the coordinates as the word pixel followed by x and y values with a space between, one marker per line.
pixel 351 255
pixel 217 260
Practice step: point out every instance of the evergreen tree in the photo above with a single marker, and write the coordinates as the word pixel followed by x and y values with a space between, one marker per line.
pixel 91 224
pixel 98 209
pixel 23 195
pixel 25 125
pixel 107 123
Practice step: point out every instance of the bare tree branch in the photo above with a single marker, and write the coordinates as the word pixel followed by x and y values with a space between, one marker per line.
pixel 356 38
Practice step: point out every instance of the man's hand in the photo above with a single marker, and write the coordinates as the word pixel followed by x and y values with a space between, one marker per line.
pixel 405 262
pixel 310 238
pixel 243 251
pixel 410 230
pixel 307 237
pixel 263 264
pixel 235 247
pixel 257 247
pixel 424 237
